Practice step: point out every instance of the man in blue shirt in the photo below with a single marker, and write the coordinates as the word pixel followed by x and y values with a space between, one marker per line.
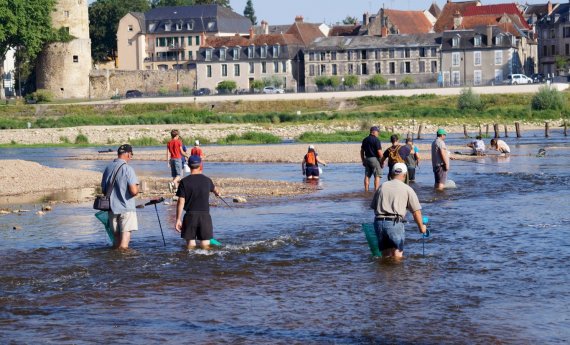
pixel 123 215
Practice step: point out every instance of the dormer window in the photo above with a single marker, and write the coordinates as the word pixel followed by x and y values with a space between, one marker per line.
pixel 208 54
pixel 151 27
pixel 190 26
pixel 167 27
pixel 455 42
pixel 263 52
pixel 236 53
pixel 211 25
pixel 498 40
pixel 251 52
pixel 477 41
pixel 178 26
pixel 223 54
pixel 276 51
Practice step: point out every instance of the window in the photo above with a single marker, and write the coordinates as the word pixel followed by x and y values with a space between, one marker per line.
pixel 350 68
pixel 323 56
pixel 553 50
pixel 566 32
pixel 209 71
pixel 392 67
pixel 236 70
pixel 190 55
pixel 224 70
pixel 264 67
pixel 498 40
pixel 190 26
pixel 151 27
pixel 455 59
pixel 197 40
pixel 178 26
pixel 276 67
pixel 66 14
pixel 434 52
pixel 211 25
pixel 378 68
pixel 323 70
pixel 499 57
pixel 434 67
pixel 376 54
pixel 208 54
pixel 477 41
pixel 552 33
pixel 264 52
pixel 477 58
pixel 251 68
pixel 391 53
pixel 408 67
pixel 455 42
pixel 422 52
pixel 477 77
pixel 236 53
pixel 276 51
pixel 284 67
pixel 401 53
pixel 545 51
pixel 498 76
pixel 349 55
pixel 167 27
pixel 364 54
pixel 364 68
pixel 567 49
pixel 333 56
pixel 422 66
pixel 250 52
pixel 311 56
pixel 75 58
pixel 189 40
pixel 222 54
pixel 407 52
pixel 311 70
pixel 455 78
pixel 334 69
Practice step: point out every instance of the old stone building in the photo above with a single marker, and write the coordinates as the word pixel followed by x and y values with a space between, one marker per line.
pixel 63 67
pixel 554 41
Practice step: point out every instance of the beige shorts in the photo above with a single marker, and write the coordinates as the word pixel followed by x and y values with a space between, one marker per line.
pixel 124 222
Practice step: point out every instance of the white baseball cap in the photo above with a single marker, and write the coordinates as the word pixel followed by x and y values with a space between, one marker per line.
pixel 311 147
pixel 197 143
pixel 399 169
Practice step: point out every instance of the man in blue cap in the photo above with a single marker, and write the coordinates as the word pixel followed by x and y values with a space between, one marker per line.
pixel 193 197
pixel 370 154
pixel 440 159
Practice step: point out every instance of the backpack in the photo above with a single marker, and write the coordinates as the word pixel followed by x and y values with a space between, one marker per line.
pixel 311 159
pixel 394 155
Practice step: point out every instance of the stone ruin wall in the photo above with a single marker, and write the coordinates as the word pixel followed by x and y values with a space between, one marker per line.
pixel 107 83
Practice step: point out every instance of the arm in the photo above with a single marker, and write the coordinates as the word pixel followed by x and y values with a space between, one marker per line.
pixel 179 209
pixel 362 156
pixel 321 161
pixel 418 219
pixel 217 192
pixel 167 156
pixel 417 159
pixel 384 157
pixel 444 157
pixel 303 167
pixel 134 189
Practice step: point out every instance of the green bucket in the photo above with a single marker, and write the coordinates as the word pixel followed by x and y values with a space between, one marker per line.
pixel 370 233
pixel 103 217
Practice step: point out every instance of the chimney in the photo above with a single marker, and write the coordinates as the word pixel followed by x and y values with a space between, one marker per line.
pixel 203 39
pixel 265 27
pixel 384 31
pixel 549 9
pixel 457 20
pixel 299 19
pixel 251 32
pixel 489 35
pixel 365 18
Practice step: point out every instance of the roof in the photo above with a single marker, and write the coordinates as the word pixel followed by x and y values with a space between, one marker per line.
pixel 345 30
pixel 498 10
pixel 434 10
pixel 273 29
pixel 140 17
pixel 409 22
pixel 539 10
pixel 445 19
pixel 375 42
pixel 306 32
pixel 467 41
pixel 258 40
pixel 202 16
pixel 477 21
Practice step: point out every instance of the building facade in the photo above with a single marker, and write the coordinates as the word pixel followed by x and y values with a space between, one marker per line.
pixel 170 37
pixel 63 67
pixel 480 56
pixel 554 41
pixel 394 57
pixel 9 75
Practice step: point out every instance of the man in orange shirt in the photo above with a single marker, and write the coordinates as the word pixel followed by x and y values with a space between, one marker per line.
pixel 197 151
pixel 174 154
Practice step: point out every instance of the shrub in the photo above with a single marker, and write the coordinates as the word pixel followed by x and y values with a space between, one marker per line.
pixel 376 81
pixel 162 91
pixel 251 138
pixel 273 81
pixel 468 100
pixel 257 84
pixel 81 139
pixel 350 80
pixel 407 81
pixel 186 90
pixel 63 139
pixel 321 82
pixel 144 141
pixel 334 81
pixel 226 86
pixel 40 96
pixel 548 98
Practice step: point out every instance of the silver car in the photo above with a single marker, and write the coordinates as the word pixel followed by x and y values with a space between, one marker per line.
pixel 272 89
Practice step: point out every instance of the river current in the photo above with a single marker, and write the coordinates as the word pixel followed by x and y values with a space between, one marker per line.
pixel 298 270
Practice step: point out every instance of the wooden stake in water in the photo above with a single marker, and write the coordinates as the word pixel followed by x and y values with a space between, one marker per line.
pixel 546 129
pixel 518 129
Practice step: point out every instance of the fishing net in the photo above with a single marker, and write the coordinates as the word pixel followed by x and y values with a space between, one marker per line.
pixel 103 217
pixel 368 229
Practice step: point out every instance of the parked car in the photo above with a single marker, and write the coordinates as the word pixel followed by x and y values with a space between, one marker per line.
pixel 517 79
pixel 272 89
pixel 202 92
pixel 133 94
pixel 538 78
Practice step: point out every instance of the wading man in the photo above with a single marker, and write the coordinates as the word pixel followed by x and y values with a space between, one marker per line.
pixel 193 197
pixel 174 153
pixel 440 159
pixel 390 204
pixel 370 154
pixel 123 215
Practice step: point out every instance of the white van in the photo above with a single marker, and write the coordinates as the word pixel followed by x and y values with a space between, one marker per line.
pixel 517 79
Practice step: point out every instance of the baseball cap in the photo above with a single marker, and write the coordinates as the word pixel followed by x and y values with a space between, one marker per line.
pixel 441 131
pixel 124 149
pixel 399 169
pixel 194 160
pixel 197 143
pixel 311 147
pixel 374 129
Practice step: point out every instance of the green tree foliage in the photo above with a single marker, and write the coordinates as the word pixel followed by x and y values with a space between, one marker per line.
pixel 104 17
pixel 257 84
pixel 469 100
pixel 560 62
pixel 407 81
pixel 376 81
pixel 350 20
pixel 273 81
pixel 350 80
pixel 548 98
pixel 224 3
pixel 226 86
pixel 164 3
pixel 332 82
pixel 250 12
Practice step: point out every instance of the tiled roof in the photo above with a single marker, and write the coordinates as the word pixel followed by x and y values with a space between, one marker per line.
pixel 467 42
pixel 445 20
pixel 374 42
pixel 273 29
pixel 434 10
pixel 345 30
pixel 258 40
pixel 478 21
pixel 306 32
pixel 498 10
pixel 409 22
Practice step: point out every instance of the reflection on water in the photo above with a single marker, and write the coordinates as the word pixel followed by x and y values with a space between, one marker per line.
pixel 298 270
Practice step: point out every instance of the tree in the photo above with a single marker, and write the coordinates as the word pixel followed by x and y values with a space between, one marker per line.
pixel 560 62
pixel 104 17
pixel 226 86
pixel 250 12
pixel 163 3
pixel 376 81
pixel 407 81
pixel 350 20
pixel 350 80
pixel 224 3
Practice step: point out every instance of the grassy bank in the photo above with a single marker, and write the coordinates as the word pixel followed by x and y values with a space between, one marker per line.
pixel 339 137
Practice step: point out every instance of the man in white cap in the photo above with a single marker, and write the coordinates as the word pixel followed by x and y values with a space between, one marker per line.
pixel 197 151
pixel 310 164
pixel 390 204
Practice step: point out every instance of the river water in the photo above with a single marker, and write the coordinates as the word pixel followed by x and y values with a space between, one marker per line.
pixel 298 270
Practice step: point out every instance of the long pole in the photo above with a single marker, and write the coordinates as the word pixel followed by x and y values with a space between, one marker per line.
pixel 159 224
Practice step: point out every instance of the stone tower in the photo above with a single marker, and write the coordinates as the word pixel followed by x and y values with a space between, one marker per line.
pixel 63 68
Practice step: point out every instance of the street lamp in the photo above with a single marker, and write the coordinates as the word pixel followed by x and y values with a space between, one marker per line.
pixel 177 66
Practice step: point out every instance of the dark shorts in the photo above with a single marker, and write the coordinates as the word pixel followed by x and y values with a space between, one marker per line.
pixel 372 167
pixel 197 226
pixel 390 234
pixel 312 171
pixel 440 174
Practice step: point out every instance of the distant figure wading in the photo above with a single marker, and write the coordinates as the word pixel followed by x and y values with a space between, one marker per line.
pixel 370 155
pixel 310 164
